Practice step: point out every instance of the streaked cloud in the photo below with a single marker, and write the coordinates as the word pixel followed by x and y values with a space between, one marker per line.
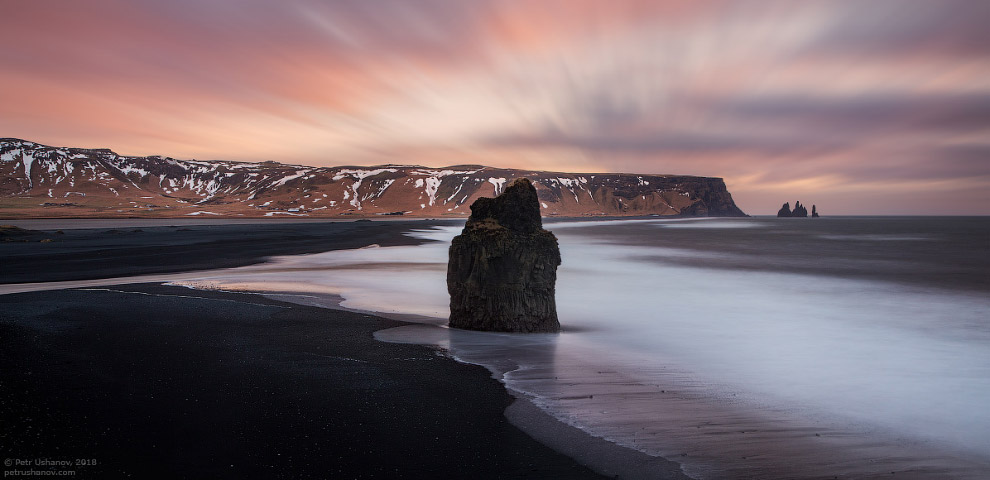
pixel 868 107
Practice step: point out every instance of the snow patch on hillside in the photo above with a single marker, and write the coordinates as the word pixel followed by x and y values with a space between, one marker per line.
pixel 287 178
pixel 28 161
pixel 499 184
pixel 432 185
pixel 358 176
pixel 9 156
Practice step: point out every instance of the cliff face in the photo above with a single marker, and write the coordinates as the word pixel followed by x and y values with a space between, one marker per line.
pixel 502 270
pixel 40 180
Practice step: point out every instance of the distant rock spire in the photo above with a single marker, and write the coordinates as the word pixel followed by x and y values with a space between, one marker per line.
pixel 785 211
pixel 799 210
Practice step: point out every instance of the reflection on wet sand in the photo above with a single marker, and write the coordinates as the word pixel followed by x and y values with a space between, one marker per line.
pixel 676 417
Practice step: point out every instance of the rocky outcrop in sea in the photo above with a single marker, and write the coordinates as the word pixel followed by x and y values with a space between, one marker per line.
pixel 799 210
pixel 502 268
pixel 785 210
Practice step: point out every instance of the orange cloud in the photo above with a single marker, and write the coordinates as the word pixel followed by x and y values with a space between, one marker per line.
pixel 773 96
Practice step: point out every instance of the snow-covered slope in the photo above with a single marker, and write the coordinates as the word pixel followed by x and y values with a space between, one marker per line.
pixel 98 182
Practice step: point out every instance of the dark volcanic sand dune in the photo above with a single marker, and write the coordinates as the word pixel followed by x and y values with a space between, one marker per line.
pixel 166 382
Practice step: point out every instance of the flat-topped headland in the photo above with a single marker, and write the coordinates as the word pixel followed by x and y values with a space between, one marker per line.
pixel 45 181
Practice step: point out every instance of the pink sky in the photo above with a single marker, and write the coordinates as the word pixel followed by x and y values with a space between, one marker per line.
pixel 860 107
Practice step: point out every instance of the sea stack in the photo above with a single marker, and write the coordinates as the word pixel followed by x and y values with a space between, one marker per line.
pixel 502 270
pixel 799 210
pixel 785 210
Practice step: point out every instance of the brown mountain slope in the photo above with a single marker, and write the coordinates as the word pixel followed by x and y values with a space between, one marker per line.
pixel 42 181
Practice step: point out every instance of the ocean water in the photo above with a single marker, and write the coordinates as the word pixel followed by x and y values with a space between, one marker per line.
pixel 852 347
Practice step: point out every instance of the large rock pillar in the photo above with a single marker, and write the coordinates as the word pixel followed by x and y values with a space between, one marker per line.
pixel 502 271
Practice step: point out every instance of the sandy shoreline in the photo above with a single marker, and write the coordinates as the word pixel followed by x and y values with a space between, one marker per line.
pixel 116 250
pixel 218 385
pixel 649 400
pixel 201 383
pixel 571 380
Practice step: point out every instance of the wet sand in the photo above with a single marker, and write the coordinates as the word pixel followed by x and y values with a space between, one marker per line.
pixel 46 252
pixel 153 381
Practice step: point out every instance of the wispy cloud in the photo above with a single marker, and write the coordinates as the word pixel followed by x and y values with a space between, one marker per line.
pixel 825 96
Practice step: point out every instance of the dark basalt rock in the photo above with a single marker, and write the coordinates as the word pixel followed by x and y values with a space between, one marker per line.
pixel 799 210
pixel 814 211
pixel 785 211
pixel 502 271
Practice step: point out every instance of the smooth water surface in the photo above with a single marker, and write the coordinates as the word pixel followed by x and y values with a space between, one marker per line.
pixel 755 347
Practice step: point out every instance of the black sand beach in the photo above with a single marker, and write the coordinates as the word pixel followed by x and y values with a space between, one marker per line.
pixel 152 381
pixel 165 382
pixel 52 254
